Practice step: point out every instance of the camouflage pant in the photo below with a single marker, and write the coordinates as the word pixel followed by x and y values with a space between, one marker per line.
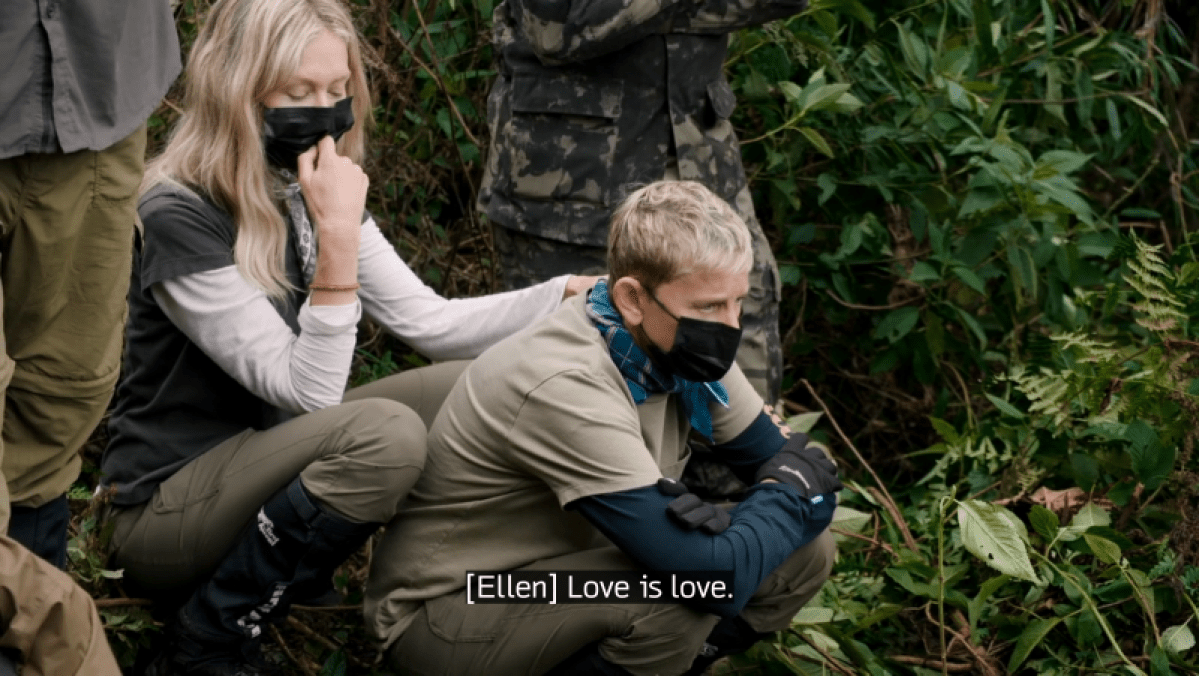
pixel 527 259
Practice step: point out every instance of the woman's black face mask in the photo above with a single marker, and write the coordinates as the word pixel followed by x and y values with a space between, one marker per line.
pixel 702 351
pixel 288 132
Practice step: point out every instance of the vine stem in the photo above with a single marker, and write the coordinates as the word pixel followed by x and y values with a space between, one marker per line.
pixel 1090 604
pixel 941 583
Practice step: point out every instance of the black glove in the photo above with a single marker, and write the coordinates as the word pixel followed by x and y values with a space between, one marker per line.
pixel 804 467
pixel 690 512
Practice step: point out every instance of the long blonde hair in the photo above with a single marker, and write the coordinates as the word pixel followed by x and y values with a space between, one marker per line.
pixel 246 50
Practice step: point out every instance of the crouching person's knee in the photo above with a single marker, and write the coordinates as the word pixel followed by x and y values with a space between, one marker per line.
pixel 378 457
pixel 792 585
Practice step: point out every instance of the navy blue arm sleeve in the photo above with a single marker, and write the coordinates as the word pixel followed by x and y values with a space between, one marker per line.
pixel 745 453
pixel 771 523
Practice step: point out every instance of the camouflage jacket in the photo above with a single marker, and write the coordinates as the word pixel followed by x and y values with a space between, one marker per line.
pixel 594 97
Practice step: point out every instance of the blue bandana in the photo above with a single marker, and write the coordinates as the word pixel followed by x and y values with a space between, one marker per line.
pixel 640 374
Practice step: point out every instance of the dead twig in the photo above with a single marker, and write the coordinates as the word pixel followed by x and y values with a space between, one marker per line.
pixel 882 494
pixel 892 306
pixel 874 542
pixel 930 663
pixel 304 667
pixel 115 603
pixel 325 641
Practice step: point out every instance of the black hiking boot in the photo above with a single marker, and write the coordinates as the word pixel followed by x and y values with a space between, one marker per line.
pixel 291 546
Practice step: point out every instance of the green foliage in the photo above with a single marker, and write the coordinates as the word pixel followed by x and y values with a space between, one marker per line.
pixel 949 186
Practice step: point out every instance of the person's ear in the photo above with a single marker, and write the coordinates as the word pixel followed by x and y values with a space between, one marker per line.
pixel 627 296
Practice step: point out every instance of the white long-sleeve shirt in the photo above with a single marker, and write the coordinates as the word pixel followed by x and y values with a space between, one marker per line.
pixel 235 324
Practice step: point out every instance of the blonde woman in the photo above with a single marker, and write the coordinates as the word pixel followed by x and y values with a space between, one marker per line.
pixel 237 472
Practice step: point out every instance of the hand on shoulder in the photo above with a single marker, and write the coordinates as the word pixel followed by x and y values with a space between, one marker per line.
pixel 580 284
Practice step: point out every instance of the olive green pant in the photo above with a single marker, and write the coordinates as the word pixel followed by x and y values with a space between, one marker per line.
pixel 448 637
pixel 66 245
pixel 358 459
pixel 526 259
pixel 47 618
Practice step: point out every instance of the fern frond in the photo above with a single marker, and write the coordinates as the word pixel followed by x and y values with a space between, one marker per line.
pixel 1160 310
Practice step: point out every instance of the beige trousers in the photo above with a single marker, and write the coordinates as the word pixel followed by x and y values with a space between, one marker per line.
pixel 49 619
pixel 358 459
pixel 66 244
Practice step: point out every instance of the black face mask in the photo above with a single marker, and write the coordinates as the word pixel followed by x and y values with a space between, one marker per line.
pixel 702 351
pixel 288 132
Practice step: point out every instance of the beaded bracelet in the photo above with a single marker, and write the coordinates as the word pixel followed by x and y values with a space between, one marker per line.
pixel 333 287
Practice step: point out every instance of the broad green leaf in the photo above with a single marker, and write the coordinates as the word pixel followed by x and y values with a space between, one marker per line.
pixel 822 96
pixel 982 29
pixel 1152 461
pixel 877 614
pixel 1053 90
pixel 1086 470
pixel 923 272
pixel 904 579
pixel 985 591
pixel 1113 119
pixel 897 324
pixel 1064 161
pixel 915 52
pixel 1044 522
pixel 947 432
pixel 995 535
pixel 1030 638
pixel 814 137
pixel 1157 114
pixel 971 279
pixel 827 186
pixel 845 104
pixel 1085 628
pixel 850 519
pixel 934 333
pixel 1023 269
pixel 1105 550
pixel 1090 515
pixel 1141 213
pixel 1178 639
pixel 1159 663
pixel 791 91
pixel 972 324
pixel 1066 197
pixel 851 240
pixel 790 275
pixel 813 616
pixel 1050 23
pixel 336 665
pixel 958 97
pixel 1005 407
pixel 804 422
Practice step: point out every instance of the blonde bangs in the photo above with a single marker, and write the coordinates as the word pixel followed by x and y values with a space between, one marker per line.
pixel 672 228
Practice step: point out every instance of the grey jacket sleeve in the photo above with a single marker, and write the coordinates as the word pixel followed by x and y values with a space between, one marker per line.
pixel 726 16
pixel 561 31
pixel 564 31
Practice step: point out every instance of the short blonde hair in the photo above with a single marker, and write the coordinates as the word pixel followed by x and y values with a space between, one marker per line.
pixel 669 229
pixel 247 49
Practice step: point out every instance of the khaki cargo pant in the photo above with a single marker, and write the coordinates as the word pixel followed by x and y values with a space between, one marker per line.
pixel 450 638
pixel 66 245
pixel 358 459
pixel 49 619
pixel 527 259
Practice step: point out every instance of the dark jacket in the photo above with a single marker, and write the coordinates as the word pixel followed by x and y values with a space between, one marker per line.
pixel 595 97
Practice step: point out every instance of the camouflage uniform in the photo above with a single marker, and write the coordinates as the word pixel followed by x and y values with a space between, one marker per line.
pixel 592 98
